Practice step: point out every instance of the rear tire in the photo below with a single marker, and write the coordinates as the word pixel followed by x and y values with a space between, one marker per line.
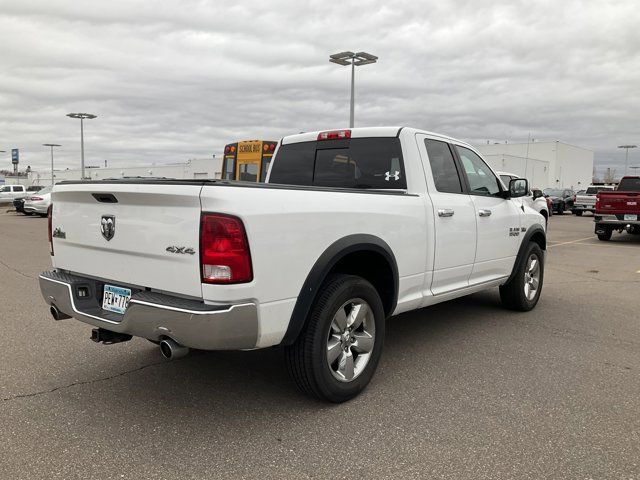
pixel 605 237
pixel 578 213
pixel 522 292
pixel 332 363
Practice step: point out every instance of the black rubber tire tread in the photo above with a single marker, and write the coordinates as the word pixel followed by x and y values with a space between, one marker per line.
pixel 578 213
pixel 304 359
pixel 512 293
pixel 605 237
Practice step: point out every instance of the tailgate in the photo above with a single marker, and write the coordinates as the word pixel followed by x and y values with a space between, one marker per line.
pixel 154 241
pixel 618 202
pixel 586 200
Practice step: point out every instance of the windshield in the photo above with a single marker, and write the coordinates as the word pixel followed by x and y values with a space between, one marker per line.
pixel 44 190
pixel 5 189
pixel 553 192
pixel 594 190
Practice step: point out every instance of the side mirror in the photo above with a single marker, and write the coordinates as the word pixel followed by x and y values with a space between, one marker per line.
pixel 537 194
pixel 518 187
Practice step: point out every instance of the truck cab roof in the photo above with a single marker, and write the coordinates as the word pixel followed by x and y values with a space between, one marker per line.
pixel 368 132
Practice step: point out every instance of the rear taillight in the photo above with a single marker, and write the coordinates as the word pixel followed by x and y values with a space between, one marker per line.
pixel 36 199
pixel 49 229
pixel 334 135
pixel 224 250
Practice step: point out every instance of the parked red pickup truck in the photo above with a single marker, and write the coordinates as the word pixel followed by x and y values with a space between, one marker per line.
pixel 618 209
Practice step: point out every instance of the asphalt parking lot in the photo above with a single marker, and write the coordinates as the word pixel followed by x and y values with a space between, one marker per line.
pixel 465 389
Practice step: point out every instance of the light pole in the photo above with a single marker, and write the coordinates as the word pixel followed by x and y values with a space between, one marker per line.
pixel 51 145
pixel 82 117
pixel 626 158
pixel 355 60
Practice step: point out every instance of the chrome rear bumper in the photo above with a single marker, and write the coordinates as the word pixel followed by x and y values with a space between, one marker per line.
pixel 613 220
pixel 156 316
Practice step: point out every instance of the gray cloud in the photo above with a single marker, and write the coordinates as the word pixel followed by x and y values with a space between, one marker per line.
pixel 176 80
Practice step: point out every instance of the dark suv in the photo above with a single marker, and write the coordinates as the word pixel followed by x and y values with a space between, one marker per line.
pixel 561 198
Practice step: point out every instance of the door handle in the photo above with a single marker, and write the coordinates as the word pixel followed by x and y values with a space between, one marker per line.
pixel 484 212
pixel 445 212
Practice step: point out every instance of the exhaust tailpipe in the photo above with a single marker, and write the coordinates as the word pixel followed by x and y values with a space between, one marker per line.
pixel 57 314
pixel 171 349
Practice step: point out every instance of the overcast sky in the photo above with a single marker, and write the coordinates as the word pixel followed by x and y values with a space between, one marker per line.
pixel 172 80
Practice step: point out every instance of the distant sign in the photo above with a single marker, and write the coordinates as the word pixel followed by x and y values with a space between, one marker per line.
pixel 15 155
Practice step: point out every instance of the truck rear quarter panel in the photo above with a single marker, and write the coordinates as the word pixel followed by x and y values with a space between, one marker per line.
pixel 289 229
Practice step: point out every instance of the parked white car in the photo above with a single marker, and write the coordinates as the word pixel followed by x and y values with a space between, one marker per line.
pixel 352 226
pixel 10 192
pixel 38 202
pixel 533 199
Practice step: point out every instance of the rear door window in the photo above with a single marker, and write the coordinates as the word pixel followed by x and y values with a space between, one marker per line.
pixel 443 167
pixel 366 163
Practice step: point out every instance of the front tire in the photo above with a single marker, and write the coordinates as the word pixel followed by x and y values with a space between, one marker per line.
pixel 337 352
pixel 522 292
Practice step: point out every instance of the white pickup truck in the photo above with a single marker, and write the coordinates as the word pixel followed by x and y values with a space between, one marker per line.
pixel 586 202
pixel 353 226
pixel 8 193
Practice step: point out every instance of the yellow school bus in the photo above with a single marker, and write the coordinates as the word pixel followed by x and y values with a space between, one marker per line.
pixel 247 160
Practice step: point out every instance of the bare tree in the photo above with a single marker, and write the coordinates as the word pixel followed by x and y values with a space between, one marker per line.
pixel 610 175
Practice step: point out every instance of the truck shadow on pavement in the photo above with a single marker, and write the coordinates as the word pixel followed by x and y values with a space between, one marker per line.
pixel 219 385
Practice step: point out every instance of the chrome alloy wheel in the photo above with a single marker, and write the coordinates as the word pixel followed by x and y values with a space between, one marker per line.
pixel 532 277
pixel 350 340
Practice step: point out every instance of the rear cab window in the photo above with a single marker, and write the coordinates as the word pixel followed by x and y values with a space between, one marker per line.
pixel 629 185
pixel 360 163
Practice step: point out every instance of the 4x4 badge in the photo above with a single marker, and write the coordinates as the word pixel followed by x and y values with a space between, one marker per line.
pixel 108 226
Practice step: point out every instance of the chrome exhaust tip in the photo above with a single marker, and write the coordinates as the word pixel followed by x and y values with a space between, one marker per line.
pixel 171 349
pixel 57 314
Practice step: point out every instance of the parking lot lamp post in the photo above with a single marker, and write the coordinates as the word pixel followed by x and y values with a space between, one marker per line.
pixel 82 117
pixel 626 157
pixel 355 60
pixel 51 145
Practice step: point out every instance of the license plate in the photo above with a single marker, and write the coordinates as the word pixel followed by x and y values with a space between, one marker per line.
pixel 115 299
pixel 628 216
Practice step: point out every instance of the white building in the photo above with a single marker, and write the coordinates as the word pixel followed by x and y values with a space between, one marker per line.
pixel 545 164
pixel 197 168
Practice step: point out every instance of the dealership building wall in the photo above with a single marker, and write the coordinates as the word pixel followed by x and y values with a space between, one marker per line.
pixel 545 164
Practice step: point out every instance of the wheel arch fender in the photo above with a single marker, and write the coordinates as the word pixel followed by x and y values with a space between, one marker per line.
pixel 327 263
pixel 535 234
